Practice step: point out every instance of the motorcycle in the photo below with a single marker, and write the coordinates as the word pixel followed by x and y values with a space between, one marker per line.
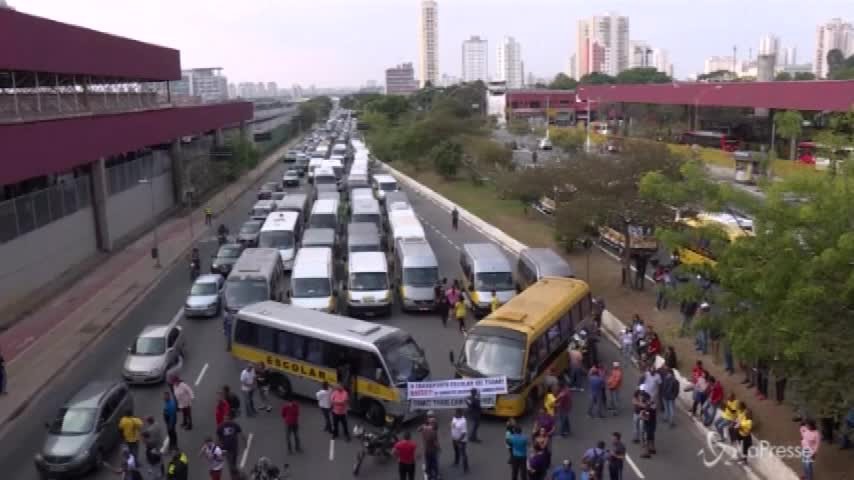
pixel 377 445
pixel 195 269
pixel 222 239
pixel 264 469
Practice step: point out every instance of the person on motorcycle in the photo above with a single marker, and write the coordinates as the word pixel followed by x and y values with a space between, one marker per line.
pixel 195 263
pixel 222 233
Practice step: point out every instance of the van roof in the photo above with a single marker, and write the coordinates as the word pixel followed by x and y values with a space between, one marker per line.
pixel 318 237
pixel 487 257
pixel 291 201
pixel 313 262
pixel 547 262
pixel 383 178
pixel 265 204
pixel 396 196
pixel 278 221
pixel 254 262
pixel 416 253
pixel 366 205
pixel 367 262
pixel 362 228
pixel 325 205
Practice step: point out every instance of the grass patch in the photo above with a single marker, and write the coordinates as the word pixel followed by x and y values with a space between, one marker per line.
pixel 788 168
pixel 714 156
pixel 483 201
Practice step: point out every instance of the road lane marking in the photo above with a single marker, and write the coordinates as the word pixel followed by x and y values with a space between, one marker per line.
pixel 201 375
pixel 331 449
pixel 634 467
pixel 165 446
pixel 246 450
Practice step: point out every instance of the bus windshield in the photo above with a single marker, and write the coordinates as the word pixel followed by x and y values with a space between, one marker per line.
pixel 486 281
pixel 311 288
pixel 405 360
pixel 420 277
pixel 492 355
pixel 242 292
pixel 281 239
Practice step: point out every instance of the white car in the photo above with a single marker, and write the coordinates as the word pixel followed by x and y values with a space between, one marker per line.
pixel 545 144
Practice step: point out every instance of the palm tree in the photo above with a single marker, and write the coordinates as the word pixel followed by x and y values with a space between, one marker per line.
pixel 789 125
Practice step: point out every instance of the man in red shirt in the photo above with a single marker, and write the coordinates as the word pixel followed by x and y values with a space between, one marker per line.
pixel 340 404
pixel 290 413
pixel 404 450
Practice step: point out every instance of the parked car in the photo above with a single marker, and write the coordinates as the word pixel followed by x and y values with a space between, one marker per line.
pixel 153 354
pixel 249 231
pixel 85 430
pixel 205 298
pixel 225 257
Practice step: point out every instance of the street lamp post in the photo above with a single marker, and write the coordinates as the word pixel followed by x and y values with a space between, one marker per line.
pixel 155 250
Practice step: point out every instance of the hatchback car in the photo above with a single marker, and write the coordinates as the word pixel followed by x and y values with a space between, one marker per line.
pixel 156 351
pixel 225 257
pixel 84 430
pixel 249 231
pixel 205 298
pixel 291 178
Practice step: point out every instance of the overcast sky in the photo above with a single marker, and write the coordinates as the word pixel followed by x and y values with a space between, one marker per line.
pixel 347 42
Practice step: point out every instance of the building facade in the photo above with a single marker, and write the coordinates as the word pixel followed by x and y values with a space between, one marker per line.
pixel 429 47
pixel 770 45
pixel 474 58
pixel 602 44
pixel 206 84
pixel 716 63
pixel 272 89
pixel 400 80
pixel 835 34
pixel 509 63
pixel 640 55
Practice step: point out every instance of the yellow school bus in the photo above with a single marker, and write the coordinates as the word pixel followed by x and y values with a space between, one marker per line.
pixel 303 348
pixel 524 338
pixel 707 229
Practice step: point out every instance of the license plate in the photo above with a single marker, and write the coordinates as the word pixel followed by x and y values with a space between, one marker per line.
pixel 368 299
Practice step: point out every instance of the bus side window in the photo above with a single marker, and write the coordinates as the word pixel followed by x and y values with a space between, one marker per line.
pixel 566 325
pixel 315 350
pixel 246 333
pixel 368 365
pixel 290 345
pixel 266 338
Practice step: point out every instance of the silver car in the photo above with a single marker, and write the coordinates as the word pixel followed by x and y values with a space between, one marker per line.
pixel 205 299
pixel 84 430
pixel 155 352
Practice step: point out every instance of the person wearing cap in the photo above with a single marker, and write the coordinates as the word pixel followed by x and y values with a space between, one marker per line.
pixel 563 472
pixel 614 383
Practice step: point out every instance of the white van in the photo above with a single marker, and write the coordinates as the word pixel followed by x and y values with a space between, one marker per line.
pixel 366 210
pixel 325 179
pixel 384 184
pixel 324 214
pixel 313 280
pixel 256 276
pixel 403 224
pixel 314 163
pixel 281 231
pixel 368 287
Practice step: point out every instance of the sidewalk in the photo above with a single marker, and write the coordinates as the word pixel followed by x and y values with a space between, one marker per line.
pixel 773 421
pixel 41 345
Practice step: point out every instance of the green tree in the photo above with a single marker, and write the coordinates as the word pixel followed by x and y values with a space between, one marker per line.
pixel 562 81
pixel 789 126
pixel 447 157
pixel 783 77
pixel 392 106
pixel 835 61
pixel 717 76
pixel 597 78
pixel 642 75
pixel 804 76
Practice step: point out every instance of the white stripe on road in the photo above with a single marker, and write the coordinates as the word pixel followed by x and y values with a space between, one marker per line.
pixel 246 450
pixel 331 449
pixel 165 446
pixel 634 467
pixel 201 375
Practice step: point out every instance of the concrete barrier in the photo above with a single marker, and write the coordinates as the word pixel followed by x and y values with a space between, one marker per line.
pixel 766 465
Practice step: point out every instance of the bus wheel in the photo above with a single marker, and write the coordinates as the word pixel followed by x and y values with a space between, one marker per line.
pixel 280 386
pixel 374 412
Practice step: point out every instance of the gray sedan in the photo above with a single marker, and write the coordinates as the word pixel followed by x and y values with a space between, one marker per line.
pixel 205 299
pixel 157 351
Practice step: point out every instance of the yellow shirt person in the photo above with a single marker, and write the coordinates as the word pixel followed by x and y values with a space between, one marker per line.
pixel 494 303
pixel 130 427
pixel 460 313
pixel 549 403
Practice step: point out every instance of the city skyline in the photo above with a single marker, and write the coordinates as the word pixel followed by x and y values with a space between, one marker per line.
pixel 293 36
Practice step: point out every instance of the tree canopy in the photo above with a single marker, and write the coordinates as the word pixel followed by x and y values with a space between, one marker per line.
pixel 643 75
pixel 562 81
pixel 597 78
pixel 789 126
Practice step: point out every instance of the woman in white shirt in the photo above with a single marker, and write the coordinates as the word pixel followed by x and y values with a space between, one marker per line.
pixel 459 433
pixel 325 405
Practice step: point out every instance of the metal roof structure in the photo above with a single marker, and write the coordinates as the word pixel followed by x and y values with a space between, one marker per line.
pixel 817 95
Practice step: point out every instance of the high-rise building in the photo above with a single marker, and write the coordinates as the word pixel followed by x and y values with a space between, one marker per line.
pixel 429 39
pixel 571 68
pixel 789 56
pixel 770 45
pixel 640 55
pixel 475 64
pixel 207 84
pixel 602 44
pixel 834 34
pixel 232 90
pixel 717 63
pixel 272 89
pixel 509 63
pixel 400 80
pixel 661 61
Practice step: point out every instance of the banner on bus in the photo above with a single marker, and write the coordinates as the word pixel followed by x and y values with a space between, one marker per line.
pixel 456 388
pixel 486 401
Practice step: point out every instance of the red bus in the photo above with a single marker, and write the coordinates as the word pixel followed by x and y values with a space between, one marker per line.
pixel 710 139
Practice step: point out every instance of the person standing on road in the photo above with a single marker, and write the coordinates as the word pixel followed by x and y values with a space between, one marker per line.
pixel 539 462
pixel 563 472
pixel 563 407
pixel 226 328
pixel 652 383
pixel 208 216
pixel 810 441
pixel 178 468
pixel 616 457
pixel 716 398
pixel 669 394
pixel 596 457
pixel 262 381
pixel 441 300
pixel 518 444
pixel 170 419
pixel 459 436
pixel 131 428
pixel 627 342
pixel 152 439
pixel 744 429
pixel 455 218
pixel 325 406
pixel 614 383
pixel 430 437
pixel 460 313
pixel 649 413
pixel 2 374
pixel 404 451
pixel 290 415
pixel 214 455
pixel 247 386
pixel 229 434
pixel 494 303
pixel 597 394
pixel 222 409
pixel 474 410
pixel 340 400
pixel 576 369
pixel 184 397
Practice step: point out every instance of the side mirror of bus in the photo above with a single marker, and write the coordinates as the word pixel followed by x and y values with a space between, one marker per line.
pixel 451 356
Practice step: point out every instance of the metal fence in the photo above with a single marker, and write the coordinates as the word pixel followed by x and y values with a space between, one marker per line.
pixel 127 174
pixel 34 210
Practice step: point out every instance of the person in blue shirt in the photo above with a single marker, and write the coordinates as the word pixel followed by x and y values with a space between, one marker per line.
pixel 563 472
pixel 170 418
pixel 597 393
pixel 518 444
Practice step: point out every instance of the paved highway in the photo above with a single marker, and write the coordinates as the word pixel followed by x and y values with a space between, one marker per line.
pixel 207 367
